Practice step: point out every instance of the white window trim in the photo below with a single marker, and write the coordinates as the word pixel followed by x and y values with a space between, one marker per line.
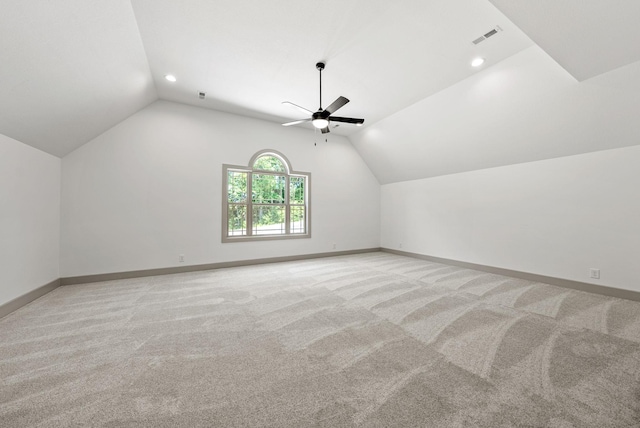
pixel 250 170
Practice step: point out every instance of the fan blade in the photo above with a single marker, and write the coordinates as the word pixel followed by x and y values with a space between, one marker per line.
pixel 346 120
pixel 325 130
pixel 296 122
pixel 336 105
pixel 297 106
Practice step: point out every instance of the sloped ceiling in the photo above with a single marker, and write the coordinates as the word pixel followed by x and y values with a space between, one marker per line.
pixel 525 108
pixel 575 92
pixel 250 56
pixel 71 70
pixel 586 37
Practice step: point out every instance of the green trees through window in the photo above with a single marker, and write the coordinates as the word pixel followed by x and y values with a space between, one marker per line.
pixel 269 163
pixel 265 199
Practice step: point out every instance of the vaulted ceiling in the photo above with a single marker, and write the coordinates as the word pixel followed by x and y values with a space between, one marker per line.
pixel 71 70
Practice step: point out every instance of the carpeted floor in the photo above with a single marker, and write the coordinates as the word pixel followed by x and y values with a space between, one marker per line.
pixel 370 340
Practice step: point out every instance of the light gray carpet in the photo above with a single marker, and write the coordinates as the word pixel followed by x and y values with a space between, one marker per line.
pixel 370 340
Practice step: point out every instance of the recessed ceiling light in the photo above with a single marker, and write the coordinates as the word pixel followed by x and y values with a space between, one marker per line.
pixel 170 77
pixel 477 62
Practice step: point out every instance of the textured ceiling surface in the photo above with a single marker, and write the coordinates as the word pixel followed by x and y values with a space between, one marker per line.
pixel 71 70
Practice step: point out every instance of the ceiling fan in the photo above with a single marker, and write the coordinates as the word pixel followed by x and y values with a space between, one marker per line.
pixel 321 118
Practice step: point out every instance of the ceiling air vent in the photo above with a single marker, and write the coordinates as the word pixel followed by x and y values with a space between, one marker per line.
pixel 484 37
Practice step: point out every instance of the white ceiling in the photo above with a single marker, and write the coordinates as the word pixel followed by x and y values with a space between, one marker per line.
pixel 524 109
pixel 69 70
pixel 73 69
pixel 586 37
pixel 250 56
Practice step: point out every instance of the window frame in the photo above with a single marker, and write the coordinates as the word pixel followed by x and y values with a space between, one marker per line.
pixel 249 169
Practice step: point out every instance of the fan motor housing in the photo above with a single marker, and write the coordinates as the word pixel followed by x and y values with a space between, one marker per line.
pixel 320 115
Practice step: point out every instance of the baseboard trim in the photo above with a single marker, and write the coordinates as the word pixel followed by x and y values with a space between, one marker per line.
pixel 560 282
pixel 20 301
pixel 210 266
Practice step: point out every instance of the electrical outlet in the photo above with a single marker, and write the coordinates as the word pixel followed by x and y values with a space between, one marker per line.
pixel 400 246
pixel 181 258
pixel 334 245
pixel 594 273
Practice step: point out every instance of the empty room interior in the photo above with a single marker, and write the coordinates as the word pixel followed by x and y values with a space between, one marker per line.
pixel 355 213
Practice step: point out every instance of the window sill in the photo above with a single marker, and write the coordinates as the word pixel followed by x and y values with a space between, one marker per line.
pixel 229 239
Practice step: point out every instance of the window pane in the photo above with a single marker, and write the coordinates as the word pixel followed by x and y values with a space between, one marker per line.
pixel 269 163
pixel 237 186
pixel 298 220
pixel 268 189
pixel 268 220
pixel 237 217
pixel 296 191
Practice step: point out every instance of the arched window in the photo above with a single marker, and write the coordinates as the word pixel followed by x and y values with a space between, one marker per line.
pixel 265 200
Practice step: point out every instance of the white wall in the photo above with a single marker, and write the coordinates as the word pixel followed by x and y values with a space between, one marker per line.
pixel 150 189
pixel 29 218
pixel 555 217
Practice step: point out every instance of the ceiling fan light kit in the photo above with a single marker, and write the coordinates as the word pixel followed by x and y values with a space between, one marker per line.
pixel 320 123
pixel 321 119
